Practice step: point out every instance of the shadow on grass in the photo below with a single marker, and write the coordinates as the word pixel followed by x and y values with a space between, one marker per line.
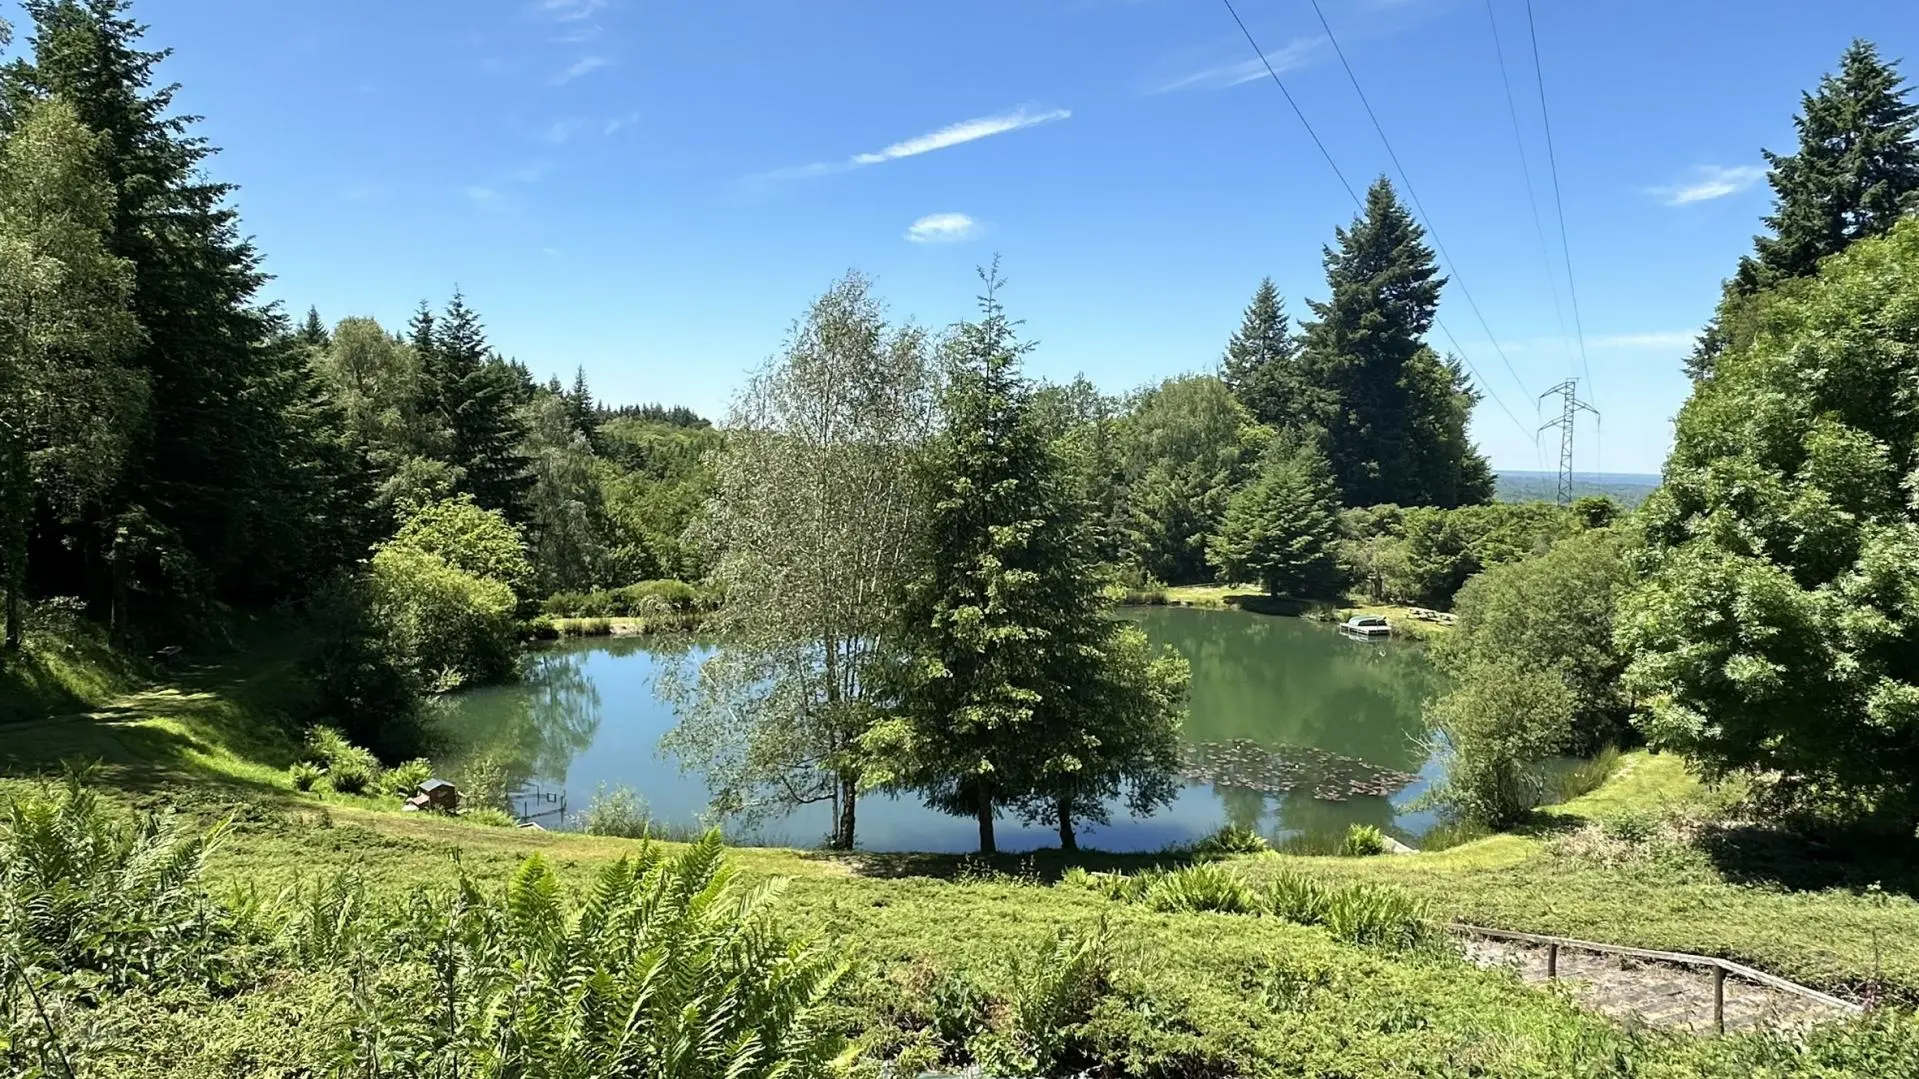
pixel 1046 865
pixel 1775 857
pixel 169 730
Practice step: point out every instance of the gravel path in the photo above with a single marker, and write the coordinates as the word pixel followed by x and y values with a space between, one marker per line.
pixel 1653 994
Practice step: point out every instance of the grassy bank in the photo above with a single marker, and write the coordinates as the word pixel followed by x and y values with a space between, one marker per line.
pixel 1185 994
pixel 1240 597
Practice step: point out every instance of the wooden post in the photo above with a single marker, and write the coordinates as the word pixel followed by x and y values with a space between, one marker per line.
pixel 1719 999
pixel 1552 961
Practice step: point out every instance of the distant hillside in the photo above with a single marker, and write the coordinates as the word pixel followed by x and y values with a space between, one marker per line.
pixel 1626 488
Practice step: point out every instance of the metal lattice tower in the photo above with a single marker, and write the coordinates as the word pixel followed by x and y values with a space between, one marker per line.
pixel 1571 405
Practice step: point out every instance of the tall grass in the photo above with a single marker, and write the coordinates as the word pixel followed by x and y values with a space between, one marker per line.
pixel 1586 776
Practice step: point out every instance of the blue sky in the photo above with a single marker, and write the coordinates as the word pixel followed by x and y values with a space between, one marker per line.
pixel 655 190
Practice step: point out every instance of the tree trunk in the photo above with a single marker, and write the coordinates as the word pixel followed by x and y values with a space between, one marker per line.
pixel 1067 840
pixel 983 806
pixel 847 799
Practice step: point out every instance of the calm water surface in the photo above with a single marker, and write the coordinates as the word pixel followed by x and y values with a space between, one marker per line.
pixel 1292 728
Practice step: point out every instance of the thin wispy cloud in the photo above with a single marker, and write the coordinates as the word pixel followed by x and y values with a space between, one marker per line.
pixel 585 65
pixel 578 35
pixel 482 195
pixel 951 135
pixel 362 192
pixel 614 125
pixel 964 131
pixel 942 229
pixel 1706 182
pixel 571 10
pixel 1296 53
pixel 1658 339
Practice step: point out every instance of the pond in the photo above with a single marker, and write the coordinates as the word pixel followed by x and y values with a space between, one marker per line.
pixel 1292 728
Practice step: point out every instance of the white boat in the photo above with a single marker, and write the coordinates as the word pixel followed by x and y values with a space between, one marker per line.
pixel 1366 625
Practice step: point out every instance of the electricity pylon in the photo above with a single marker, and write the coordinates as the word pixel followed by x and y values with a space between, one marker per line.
pixel 1568 392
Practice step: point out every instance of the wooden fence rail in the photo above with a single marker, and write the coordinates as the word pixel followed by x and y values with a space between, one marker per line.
pixel 1719 967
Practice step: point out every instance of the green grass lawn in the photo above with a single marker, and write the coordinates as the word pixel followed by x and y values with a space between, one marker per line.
pixel 1193 994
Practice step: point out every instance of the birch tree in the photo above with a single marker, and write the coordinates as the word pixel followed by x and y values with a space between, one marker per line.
pixel 811 527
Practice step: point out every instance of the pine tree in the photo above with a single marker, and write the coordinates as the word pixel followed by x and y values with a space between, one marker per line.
pixel 1366 355
pixel 1854 175
pixel 1261 365
pixel 1006 625
pixel 1282 529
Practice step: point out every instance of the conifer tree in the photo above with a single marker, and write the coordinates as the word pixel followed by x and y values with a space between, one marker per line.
pixel 313 333
pixel 1855 174
pixel 1261 365
pixel 175 525
pixel 1013 661
pixel 1366 354
pixel 581 408
pixel 1282 530
pixel 66 403
pixel 478 396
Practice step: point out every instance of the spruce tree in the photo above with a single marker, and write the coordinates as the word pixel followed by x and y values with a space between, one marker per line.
pixel 1261 365
pixel 313 332
pixel 1855 174
pixel 580 406
pixel 1367 355
pixel 1009 647
pixel 174 528
pixel 478 396
pixel 1282 530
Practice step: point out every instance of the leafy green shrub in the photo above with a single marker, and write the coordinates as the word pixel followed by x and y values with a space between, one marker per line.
pixel 445 625
pixel 958 1007
pixel 1297 897
pixel 483 784
pixel 474 541
pixel 304 775
pixel 1499 724
pixel 539 628
pixel 326 922
pixel 1363 841
pixel 1376 914
pixel 404 779
pixel 357 681
pixel 1203 887
pixel 617 812
pixel 1631 825
pixel 1112 884
pixel 587 627
pixel 81 892
pixel 1232 839
pixel 491 817
pixel 351 777
pixel 349 769
pixel 667 967
pixel 1050 997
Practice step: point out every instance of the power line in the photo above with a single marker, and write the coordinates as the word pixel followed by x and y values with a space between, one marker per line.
pixel 1571 406
pixel 1414 195
pixel 1261 53
pixel 1552 159
pixel 1532 198
pixel 1350 193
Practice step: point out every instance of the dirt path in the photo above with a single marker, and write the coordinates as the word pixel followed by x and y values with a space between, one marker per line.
pixel 1638 992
